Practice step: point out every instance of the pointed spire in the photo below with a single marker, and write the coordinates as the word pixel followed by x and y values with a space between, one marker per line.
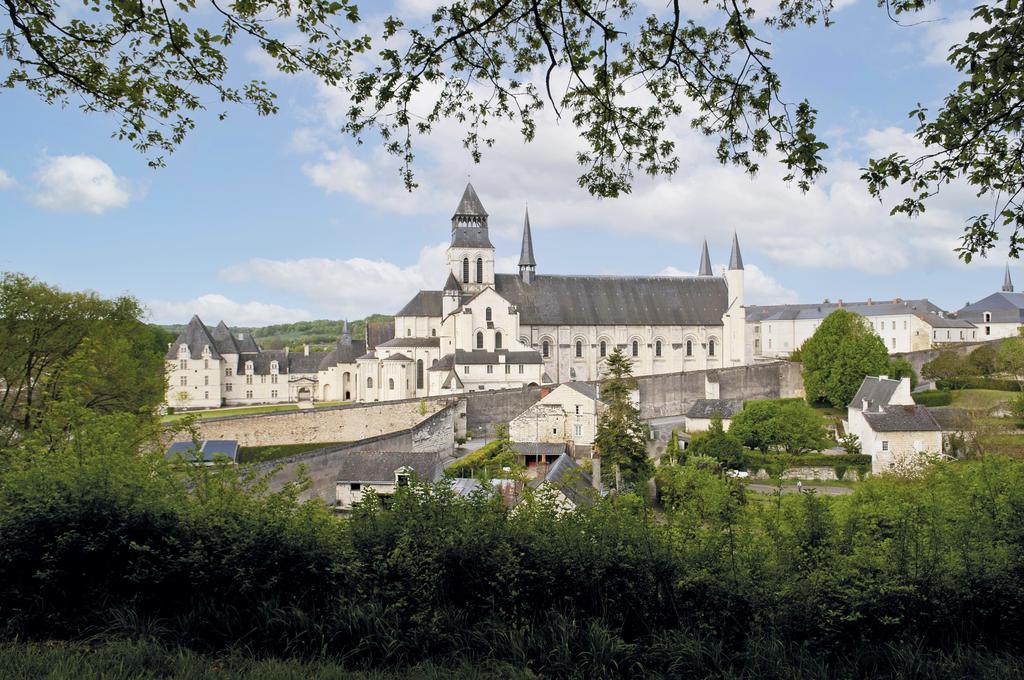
pixel 470 204
pixel 1007 283
pixel 346 336
pixel 452 284
pixel 526 258
pixel 735 260
pixel 705 261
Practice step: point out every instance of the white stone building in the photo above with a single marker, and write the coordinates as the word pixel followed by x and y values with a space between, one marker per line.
pixel 999 315
pixel 566 414
pixel 774 331
pixel 703 411
pixel 484 331
pixel 894 431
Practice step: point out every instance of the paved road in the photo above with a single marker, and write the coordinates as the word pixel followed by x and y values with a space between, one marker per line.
pixel 826 490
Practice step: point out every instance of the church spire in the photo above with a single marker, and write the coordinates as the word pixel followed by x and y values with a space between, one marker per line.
pixel 346 337
pixel 735 260
pixel 705 261
pixel 1007 283
pixel 527 262
pixel 470 210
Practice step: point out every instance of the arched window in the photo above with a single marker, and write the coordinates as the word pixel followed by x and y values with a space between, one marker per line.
pixel 369 383
pixel 419 374
pixel 636 348
pixel 391 383
pixel 544 349
pixel 497 340
pixel 434 362
pixel 479 340
pixel 487 314
pixel 579 349
pixel 657 348
pixel 479 270
pixel 604 348
pixel 465 270
pixel 689 348
pixel 711 348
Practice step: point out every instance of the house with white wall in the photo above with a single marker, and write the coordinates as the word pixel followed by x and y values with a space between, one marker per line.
pixel 890 427
pixel 568 413
pixel 382 473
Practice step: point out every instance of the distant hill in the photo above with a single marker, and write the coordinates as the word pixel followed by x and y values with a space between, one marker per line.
pixel 320 333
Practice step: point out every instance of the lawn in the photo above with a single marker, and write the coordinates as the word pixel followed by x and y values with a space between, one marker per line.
pixel 223 412
pixel 980 399
pixel 261 454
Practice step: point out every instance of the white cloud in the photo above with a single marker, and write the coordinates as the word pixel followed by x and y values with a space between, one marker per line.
pixel 760 288
pixel 945 32
pixel 6 181
pixel 214 307
pixel 349 288
pixel 79 184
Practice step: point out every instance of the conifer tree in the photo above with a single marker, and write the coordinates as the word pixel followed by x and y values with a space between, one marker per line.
pixel 621 436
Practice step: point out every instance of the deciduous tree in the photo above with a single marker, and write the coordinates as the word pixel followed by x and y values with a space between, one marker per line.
pixel 836 358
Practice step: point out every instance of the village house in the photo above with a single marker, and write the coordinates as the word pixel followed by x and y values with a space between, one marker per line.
pixel 891 429
pixel 382 473
pixel 700 415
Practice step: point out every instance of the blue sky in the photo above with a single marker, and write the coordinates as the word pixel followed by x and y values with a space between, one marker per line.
pixel 263 220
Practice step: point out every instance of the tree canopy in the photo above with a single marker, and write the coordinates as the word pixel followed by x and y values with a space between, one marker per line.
pixel 618 70
pixel 718 444
pixel 836 358
pixel 786 424
pixel 621 436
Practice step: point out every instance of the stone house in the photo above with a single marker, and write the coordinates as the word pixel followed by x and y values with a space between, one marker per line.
pixel 698 418
pixel 568 413
pixel 571 485
pixel 893 430
pixel 382 472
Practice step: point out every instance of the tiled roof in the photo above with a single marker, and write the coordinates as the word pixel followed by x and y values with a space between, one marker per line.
pixel 378 466
pixel 586 389
pixel 1004 308
pixel 197 337
pixel 823 309
pixel 875 390
pixel 616 300
pixel 566 476
pixel 902 419
pixel 480 356
pixel 344 352
pixel 411 342
pixel 425 303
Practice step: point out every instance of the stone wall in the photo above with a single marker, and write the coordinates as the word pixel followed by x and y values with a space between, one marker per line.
pixel 816 472
pixel 921 357
pixel 348 423
pixel 435 433
pixel 674 394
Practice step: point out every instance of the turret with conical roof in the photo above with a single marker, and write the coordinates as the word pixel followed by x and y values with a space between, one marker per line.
pixel 705 261
pixel 735 259
pixel 1007 282
pixel 471 255
pixel 527 262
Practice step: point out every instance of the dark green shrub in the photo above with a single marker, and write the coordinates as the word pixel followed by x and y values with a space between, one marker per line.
pixel 933 398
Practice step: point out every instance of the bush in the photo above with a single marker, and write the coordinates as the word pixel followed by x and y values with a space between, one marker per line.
pixel 976 383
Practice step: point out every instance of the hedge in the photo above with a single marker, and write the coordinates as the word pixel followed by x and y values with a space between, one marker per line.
pixel 934 398
pixel 753 460
pixel 978 383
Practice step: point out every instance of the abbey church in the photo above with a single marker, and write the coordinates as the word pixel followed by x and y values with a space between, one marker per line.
pixel 483 331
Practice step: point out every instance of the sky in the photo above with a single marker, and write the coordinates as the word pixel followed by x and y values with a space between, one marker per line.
pixel 270 220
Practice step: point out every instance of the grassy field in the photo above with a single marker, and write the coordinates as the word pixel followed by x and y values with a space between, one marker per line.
pixel 139 660
pixel 222 412
pixel 261 454
pixel 980 399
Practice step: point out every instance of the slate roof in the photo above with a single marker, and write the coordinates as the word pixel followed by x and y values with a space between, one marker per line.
pixel 709 408
pixel 411 342
pixel 902 419
pixel 470 203
pixel 301 363
pixel 479 356
pixel 424 303
pixel 378 466
pixel 875 390
pixel 1004 307
pixel 735 258
pixel 452 283
pixel 452 380
pixel 526 258
pixel 705 261
pixel 210 450
pixel 936 321
pixel 344 352
pixel 823 309
pixel 445 363
pixel 616 300
pixel 588 390
pixel 196 336
pixel 950 418
pixel 379 332
pixel 1007 281
pixel 397 356
pixel 566 476
pixel 471 236
pixel 225 339
pixel 539 448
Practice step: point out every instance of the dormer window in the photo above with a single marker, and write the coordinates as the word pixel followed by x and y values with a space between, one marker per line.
pixel 988 317
pixel 183 351
pixel 206 351
pixel 273 366
pixel 248 368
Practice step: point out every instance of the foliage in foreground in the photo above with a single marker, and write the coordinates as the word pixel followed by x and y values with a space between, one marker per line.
pixel 97 538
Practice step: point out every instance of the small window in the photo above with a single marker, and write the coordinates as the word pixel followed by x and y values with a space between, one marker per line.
pixel 355 486
pixel 206 364
pixel 885 445
pixel 273 394
pixel 206 380
pixel 184 380
pixel 206 395
pixel 579 349
pixel 520 368
pixel 248 367
pixel 657 348
pixel 408 332
pixel 689 347
pixel 711 348
pixel 490 368
pixel 391 383
pixel 369 383
pixel 497 340
pixel 227 388
pixel 402 480
pixel 248 394
pixel 248 380
pixel 554 430
pixel 433 332
pixel 988 317
pixel 577 430
pixel 577 409
pixel 465 369
pixel 636 348
pixel 487 314
pixel 508 368
pixel 465 270
pixel 604 348
pixel 183 364
pixel 479 340
pixel 479 270
pixel 228 372
pixel 273 379
pixel 545 349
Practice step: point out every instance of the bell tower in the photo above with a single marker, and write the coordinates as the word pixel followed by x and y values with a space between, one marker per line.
pixel 471 255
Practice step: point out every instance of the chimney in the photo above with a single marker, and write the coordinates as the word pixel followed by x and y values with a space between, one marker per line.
pixel 865 405
pixel 305 350
pixel 595 471
pixel 883 377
